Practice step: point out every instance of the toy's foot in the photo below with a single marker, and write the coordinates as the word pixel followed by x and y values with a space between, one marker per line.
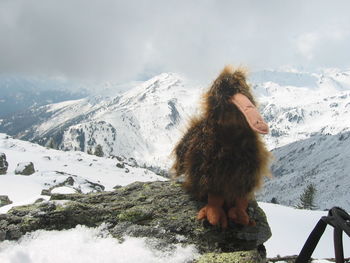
pixel 213 211
pixel 214 214
pixel 239 214
pixel 240 217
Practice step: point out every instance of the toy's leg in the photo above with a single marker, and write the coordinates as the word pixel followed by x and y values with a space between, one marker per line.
pixel 213 211
pixel 239 213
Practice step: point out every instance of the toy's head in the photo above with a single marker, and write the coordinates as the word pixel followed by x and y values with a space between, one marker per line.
pixel 229 101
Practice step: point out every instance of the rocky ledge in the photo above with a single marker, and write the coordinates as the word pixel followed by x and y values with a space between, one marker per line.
pixel 158 210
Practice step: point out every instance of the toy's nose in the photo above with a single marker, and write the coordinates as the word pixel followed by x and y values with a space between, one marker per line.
pixel 251 113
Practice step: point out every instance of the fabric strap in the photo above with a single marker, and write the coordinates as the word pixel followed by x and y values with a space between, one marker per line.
pixel 340 220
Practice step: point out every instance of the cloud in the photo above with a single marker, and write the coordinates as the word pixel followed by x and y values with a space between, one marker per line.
pixel 326 47
pixel 124 40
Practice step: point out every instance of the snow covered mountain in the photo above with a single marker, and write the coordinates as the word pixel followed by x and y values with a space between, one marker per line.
pixel 300 111
pixel 145 122
pixel 142 122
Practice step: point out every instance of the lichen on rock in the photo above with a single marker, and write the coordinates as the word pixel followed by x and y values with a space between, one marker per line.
pixel 250 256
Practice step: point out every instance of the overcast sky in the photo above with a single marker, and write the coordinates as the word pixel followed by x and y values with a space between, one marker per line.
pixel 133 39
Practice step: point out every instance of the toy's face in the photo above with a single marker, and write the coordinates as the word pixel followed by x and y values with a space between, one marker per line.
pixel 232 88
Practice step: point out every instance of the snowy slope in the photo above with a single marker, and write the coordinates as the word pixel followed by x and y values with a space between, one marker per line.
pixel 322 160
pixel 54 167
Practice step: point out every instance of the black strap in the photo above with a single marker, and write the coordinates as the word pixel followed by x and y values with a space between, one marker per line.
pixel 311 242
pixel 337 218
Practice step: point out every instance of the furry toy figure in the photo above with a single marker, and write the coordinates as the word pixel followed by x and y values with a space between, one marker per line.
pixel 221 155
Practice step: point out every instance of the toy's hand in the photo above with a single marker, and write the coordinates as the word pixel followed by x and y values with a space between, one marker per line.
pixel 213 211
pixel 214 214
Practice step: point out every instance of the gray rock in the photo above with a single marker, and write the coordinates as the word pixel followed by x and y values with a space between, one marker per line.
pixel 132 162
pixel 4 200
pixel 2 235
pixel 119 158
pixel 120 165
pixel 161 211
pixel 69 181
pixel 39 200
pixel 117 187
pixel 3 164
pixel 25 168
pixel 46 192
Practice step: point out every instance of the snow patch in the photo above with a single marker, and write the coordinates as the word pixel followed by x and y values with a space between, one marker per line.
pixel 83 244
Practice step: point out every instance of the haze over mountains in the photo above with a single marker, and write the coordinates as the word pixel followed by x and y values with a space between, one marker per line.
pixel 19 92
pixel 308 115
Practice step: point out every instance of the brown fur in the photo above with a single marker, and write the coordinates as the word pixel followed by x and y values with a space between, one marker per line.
pixel 220 154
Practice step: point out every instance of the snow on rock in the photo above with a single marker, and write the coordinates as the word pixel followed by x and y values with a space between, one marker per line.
pixel 26 168
pixel 63 190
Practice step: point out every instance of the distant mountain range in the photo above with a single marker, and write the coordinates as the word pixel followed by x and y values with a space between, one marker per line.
pixel 142 122
pixel 302 109
pixel 19 93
